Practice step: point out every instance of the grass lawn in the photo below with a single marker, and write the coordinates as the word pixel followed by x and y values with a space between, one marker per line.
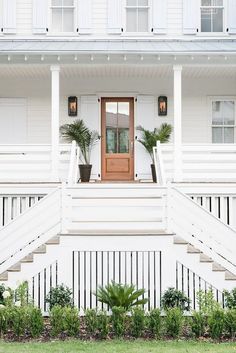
pixel 117 347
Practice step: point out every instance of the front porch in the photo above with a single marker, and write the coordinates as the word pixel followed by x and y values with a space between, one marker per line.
pixel 31 149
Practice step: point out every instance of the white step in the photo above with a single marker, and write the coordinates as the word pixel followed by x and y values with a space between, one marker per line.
pixel 113 213
pixel 116 228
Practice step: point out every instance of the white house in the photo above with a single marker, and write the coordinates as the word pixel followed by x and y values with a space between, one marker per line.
pixel 118 57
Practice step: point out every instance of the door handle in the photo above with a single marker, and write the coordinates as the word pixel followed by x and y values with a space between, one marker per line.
pixel 132 148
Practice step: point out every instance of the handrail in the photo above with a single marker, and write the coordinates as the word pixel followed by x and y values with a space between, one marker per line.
pixel 202 229
pixel 30 230
pixel 73 158
pixel 159 165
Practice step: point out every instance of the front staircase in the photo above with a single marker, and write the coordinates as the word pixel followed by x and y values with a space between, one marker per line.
pixel 118 217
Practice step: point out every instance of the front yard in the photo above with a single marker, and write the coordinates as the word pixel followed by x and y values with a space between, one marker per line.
pixel 138 346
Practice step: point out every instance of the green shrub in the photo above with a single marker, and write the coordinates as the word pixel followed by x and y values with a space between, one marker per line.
pixel 102 324
pixel 2 290
pixel 71 321
pixel 91 321
pixel 198 323
pixel 174 322
pixel 206 302
pixel 18 317
pixel 3 320
pixel 230 299
pixel 173 298
pixel 230 322
pixel 60 295
pixel 154 322
pixel 216 322
pixel 120 295
pixel 118 321
pixel 56 320
pixel 35 322
pixel 21 294
pixel 137 322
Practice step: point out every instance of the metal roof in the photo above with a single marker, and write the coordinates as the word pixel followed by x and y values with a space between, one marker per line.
pixel 117 46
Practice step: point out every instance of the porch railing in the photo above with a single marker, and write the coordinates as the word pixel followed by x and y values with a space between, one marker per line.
pixel 201 162
pixel 73 174
pixel 22 163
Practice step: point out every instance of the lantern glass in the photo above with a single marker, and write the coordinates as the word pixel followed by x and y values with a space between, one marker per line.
pixel 72 106
pixel 162 106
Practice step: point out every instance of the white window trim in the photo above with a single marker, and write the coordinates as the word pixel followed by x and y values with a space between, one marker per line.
pixel 212 99
pixel 60 34
pixel 213 34
pixel 133 34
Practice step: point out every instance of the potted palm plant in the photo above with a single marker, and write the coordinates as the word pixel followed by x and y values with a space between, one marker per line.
pixel 149 140
pixel 86 139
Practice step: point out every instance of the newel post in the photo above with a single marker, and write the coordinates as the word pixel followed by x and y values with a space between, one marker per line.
pixel 55 120
pixel 178 170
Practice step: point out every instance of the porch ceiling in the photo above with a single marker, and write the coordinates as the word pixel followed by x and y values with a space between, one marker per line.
pixel 111 70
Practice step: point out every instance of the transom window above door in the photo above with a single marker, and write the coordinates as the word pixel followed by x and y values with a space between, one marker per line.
pixel 223 121
pixel 62 16
pixel 137 15
pixel 212 16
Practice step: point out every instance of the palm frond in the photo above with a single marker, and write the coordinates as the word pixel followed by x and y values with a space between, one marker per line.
pixel 85 138
pixel 149 138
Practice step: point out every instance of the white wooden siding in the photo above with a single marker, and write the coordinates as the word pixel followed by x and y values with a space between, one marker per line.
pixel 99 19
pixel 196 120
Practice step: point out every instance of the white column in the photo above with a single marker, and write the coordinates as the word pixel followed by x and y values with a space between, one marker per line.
pixel 178 172
pixel 55 102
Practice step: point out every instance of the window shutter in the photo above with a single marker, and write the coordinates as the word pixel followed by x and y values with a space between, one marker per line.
pixel 85 17
pixel 145 116
pixel 9 16
pixel 114 23
pixel 231 26
pixel 40 14
pixel 159 16
pixel 90 113
pixel 191 10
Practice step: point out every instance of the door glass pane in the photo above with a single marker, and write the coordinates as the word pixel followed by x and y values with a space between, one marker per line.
pixel 117 127
pixel 217 135
pixel 68 20
pixel 111 127
pixel 143 20
pixel 123 127
pixel 57 20
pixel 131 20
pixel 228 135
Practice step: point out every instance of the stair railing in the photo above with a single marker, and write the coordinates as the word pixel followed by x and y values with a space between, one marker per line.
pixel 159 164
pixel 203 230
pixel 73 166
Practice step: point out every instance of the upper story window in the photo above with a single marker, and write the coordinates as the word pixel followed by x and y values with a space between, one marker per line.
pixel 223 121
pixel 137 15
pixel 212 15
pixel 62 16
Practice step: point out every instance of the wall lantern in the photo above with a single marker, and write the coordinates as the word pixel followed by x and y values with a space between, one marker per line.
pixel 72 106
pixel 162 106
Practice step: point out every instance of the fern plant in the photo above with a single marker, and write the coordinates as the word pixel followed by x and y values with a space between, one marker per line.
pixel 85 138
pixel 121 295
pixel 149 138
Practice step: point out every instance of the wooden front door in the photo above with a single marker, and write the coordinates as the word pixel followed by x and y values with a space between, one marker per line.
pixel 117 139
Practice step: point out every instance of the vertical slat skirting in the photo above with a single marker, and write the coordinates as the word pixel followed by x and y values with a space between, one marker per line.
pixel 99 268
pixel 190 283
